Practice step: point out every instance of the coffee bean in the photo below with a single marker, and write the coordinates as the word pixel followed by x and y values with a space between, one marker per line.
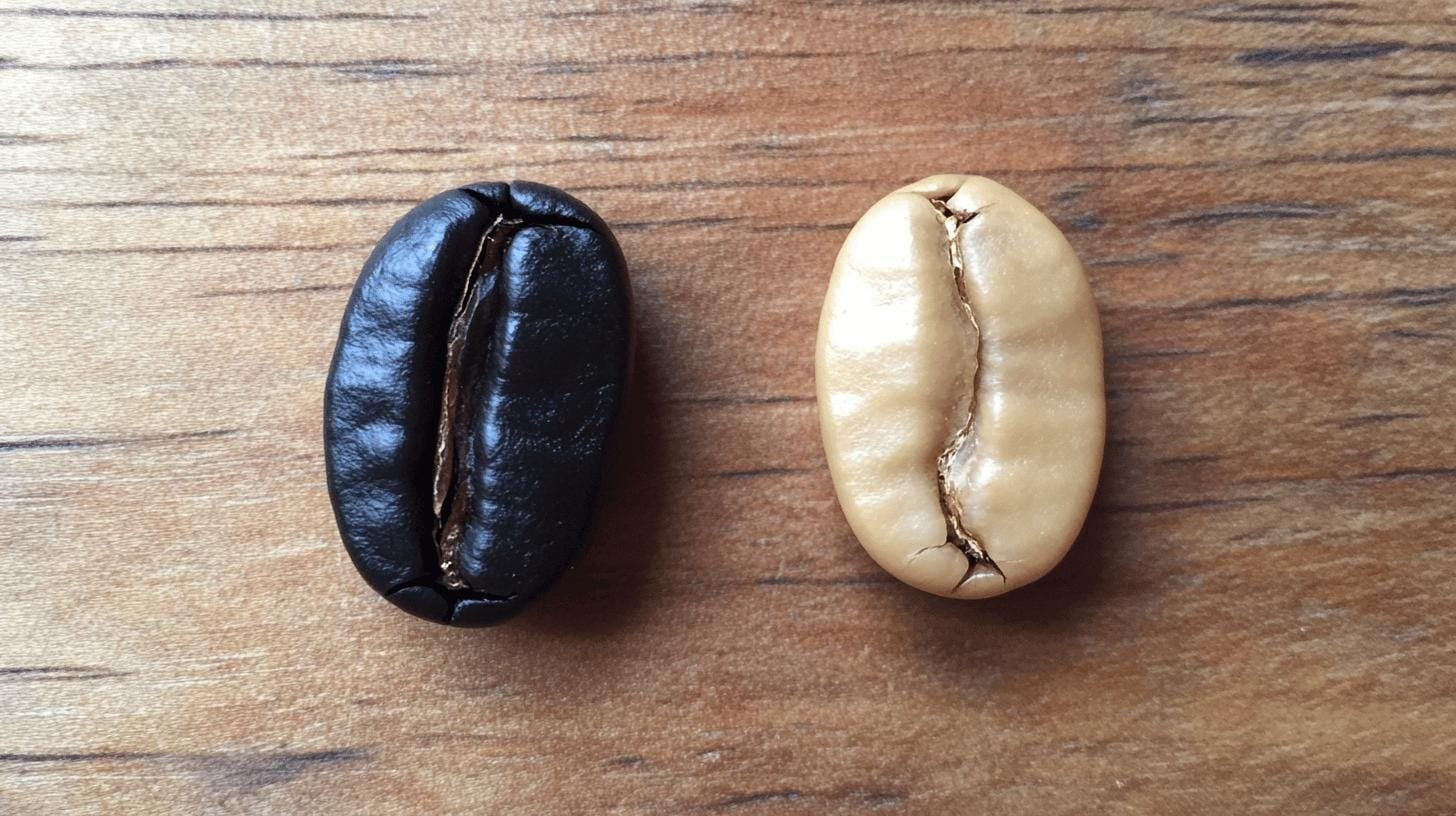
pixel 959 377
pixel 478 375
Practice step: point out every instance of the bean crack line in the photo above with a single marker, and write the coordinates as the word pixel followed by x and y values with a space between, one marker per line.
pixel 957 533
pixel 478 301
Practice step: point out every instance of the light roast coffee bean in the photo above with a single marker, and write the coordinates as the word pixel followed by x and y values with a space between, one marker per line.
pixel 479 371
pixel 959 378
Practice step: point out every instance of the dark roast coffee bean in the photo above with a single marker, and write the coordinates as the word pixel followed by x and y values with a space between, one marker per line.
pixel 480 367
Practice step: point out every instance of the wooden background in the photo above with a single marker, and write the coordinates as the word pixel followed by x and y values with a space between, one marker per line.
pixel 1259 617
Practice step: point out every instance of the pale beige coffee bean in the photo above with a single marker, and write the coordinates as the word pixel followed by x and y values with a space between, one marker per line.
pixel 959 377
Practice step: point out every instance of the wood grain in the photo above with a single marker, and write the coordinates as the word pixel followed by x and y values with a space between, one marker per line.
pixel 1258 618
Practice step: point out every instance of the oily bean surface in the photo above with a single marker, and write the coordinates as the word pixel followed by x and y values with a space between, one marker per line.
pixel 959 378
pixel 480 368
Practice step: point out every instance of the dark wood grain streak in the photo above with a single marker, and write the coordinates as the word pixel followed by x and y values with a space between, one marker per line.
pixel 1347 52
pixel 235 772
pixel 208 16
pixel 234 249
pixel 71 442
pixel 32 674
pixel 222 202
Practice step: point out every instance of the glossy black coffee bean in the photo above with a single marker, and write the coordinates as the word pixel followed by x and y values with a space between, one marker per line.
pixel 479 371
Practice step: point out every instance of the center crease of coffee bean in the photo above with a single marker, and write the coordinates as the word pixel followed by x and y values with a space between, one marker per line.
pixel 961 443
pixel 472 317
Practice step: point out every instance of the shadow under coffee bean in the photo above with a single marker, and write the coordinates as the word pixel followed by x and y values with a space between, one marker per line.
pixel 479 372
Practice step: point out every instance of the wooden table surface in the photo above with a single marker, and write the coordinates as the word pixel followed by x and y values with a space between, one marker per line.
pixel 1258 618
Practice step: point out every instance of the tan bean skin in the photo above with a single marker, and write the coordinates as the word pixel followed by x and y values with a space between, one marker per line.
pixel 1011 358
